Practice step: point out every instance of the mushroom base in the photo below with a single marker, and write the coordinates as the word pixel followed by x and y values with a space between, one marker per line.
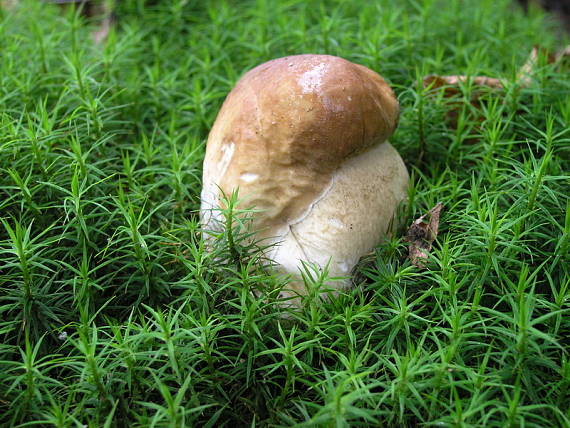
pixel 346 222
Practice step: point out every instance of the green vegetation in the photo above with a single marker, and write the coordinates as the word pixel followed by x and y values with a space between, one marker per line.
pixel 112 313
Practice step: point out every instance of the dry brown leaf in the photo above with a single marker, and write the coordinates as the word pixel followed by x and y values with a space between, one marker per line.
pixel 524 76
pixel 451 84
pixel 100 35
pixel 563 53
pixel 435 82
pixel 421 236
pixel 526 72
pixel 8 4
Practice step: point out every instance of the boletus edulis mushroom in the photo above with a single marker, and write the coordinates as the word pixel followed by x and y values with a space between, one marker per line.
pixel 304 139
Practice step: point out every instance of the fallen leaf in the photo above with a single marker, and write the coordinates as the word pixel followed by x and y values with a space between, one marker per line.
pixel 526 72
pixel 435 82
pixel 101 34
pixel 562 53
pixel 524 76
pixel 421 236
pixel 451 85
pixel 8 4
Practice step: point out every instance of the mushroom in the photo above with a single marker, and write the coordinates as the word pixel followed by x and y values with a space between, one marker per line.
pixel 304 139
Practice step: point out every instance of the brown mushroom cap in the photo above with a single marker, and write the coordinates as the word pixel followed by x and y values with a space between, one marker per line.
pixel 288 125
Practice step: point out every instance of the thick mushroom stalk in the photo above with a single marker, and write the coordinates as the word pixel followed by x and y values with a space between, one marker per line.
pixel 304 138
